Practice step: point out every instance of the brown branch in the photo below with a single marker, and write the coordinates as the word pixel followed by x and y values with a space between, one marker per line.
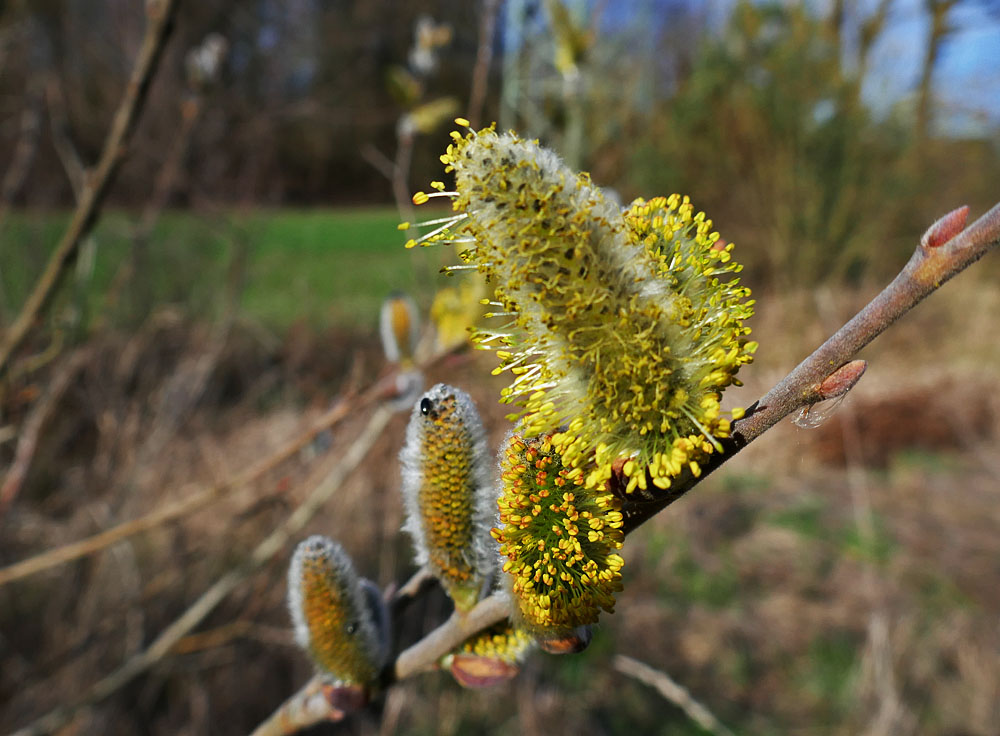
pixel 27 442
pixel 90 545
pixel 425 653
pixel 304 708
pixel 946 249
pixel 484 57
pixel 164 187
pixel 309 706
pixel 159 16
pixel 24 149
pixel 59 129
pixel 263 553
pixel 669 689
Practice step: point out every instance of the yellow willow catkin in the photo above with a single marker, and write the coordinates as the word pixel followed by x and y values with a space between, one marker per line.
pixel 505 642
pixel 623 327
pixel 337 616
pixel 449 492
pixel 560 540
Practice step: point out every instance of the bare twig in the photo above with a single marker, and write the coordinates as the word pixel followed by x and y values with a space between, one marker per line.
pixel 425 653
pixel 159 16
pixel 484 57
pixel 27 441
pixel 945 250
pixel 25 147
pixel 264 552
pixel 673 692
pixel 59 128
pixel 411 587
pixel 305 708
pixel 90 545
pixel 163 188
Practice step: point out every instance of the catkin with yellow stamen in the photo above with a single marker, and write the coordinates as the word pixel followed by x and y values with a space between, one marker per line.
pixel 503 641
pixel 448 492
pixel 624 328
pixel 560 540
pixel 489 657
pixel 337 615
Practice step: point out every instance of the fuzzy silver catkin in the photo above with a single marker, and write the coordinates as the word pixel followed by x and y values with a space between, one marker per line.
pixel 449 492
pixel 338 617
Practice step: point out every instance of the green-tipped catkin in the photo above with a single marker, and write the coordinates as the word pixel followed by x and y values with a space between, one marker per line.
pixel 560 540
pixel 337 615
pixel 624 328
pixel 449 493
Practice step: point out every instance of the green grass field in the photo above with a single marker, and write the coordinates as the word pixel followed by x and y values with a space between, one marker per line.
pixel 317 266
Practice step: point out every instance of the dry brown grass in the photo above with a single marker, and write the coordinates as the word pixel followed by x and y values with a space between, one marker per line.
pixel 840 580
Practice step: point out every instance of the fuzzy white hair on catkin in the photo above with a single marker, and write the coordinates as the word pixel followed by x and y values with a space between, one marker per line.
pixel 484 486
pixel 540 168
pixel 340 574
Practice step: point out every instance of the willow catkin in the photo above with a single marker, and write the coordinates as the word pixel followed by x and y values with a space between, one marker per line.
pixel 449 493
pixel 337 615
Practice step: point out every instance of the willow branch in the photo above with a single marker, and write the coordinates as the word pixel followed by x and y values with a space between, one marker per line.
pixel 425 653
pixel 309 706
pixel 946 249
pixel 159 16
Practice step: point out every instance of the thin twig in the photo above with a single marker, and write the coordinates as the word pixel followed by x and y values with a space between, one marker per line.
pixel 484 58
pixel 946 249
pixel 425 653
pixel 27 442
pixel 412 586
pixel 25 148
pixel 263 553
pixel 90 545
pixel 163 188
pixel 305 708
pixel 159 16
pixel 669 689
pixel 59 128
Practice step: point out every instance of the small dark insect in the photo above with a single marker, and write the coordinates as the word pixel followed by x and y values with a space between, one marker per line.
pixel 427 408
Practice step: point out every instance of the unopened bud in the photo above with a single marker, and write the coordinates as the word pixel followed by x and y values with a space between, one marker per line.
pixel 945 228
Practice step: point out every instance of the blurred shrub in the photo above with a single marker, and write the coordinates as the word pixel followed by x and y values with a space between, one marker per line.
pixel 769 133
